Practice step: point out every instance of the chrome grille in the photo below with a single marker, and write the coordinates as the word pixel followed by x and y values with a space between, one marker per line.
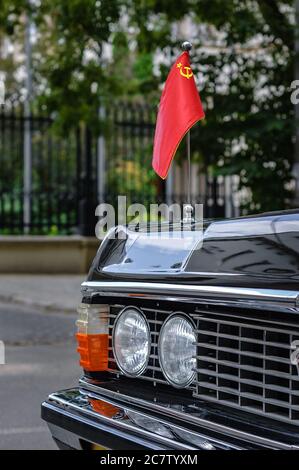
pixel 244 362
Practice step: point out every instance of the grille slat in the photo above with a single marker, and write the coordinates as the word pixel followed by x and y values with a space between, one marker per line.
pixel 245 363
pixel 273 415
pixel 143 377
pixel 251 396
pixel 244 340
pixel 249 368
pixel 241 319
pixel 244 353
pixel 246 381
pixel 246 325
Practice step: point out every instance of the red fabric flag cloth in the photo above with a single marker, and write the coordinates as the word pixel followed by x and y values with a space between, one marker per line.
pixel 180 108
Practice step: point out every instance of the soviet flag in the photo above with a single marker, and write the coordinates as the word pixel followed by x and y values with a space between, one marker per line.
pixel 180 108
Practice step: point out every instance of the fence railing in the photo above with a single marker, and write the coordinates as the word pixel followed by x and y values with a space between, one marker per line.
pixel 71 174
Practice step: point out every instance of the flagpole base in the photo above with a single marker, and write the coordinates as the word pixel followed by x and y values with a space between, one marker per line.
pixel 188 214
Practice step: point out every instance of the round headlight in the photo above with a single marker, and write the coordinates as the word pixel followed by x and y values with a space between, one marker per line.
pixel 177 350
pixel 131 342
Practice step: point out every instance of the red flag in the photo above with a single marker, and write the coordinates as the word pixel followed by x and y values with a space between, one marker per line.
pixel 180 108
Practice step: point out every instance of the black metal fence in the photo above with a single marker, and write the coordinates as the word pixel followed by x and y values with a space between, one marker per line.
pixel 71 174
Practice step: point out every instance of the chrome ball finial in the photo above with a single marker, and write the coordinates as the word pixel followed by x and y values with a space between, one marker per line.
pixel 188 214
pixel 186 46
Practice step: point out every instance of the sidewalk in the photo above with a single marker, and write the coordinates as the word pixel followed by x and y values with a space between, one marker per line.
pixel 59 293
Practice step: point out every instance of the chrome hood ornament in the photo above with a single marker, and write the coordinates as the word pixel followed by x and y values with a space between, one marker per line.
pixel 295 354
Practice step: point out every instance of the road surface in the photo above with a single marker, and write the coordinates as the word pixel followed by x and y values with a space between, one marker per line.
pixel 40 357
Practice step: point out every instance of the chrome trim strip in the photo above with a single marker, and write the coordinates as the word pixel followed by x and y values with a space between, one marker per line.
pixel 222 302
pixel 84 420
pixel 243 293
pixel 166 423
pixel 228 431
pixel 68 406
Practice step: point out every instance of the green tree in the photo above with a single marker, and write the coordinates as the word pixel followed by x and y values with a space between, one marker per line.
pixel 246 65
pixel 251 122
pixel 11 32
pixel 243 55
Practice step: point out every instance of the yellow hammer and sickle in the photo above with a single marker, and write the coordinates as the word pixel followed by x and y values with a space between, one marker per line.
pixel 188 72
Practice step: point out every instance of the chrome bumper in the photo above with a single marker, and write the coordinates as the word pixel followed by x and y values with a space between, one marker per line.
pixel 78 417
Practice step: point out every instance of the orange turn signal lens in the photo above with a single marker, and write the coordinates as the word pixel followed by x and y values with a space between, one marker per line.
pixel 93 351
pixel 92 337
pixel 103 408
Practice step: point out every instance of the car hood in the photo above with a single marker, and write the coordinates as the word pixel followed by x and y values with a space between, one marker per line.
pixel 255 251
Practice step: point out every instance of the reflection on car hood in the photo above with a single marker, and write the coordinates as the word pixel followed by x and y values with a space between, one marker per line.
pixel 257 251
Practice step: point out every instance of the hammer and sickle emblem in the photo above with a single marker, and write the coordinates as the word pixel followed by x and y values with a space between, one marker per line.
pixel 185 71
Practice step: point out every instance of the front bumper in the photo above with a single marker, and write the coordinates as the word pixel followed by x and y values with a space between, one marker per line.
pixel 106 416
pixel 77 419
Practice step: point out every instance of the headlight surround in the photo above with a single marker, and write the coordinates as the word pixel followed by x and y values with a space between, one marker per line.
pixel 177 350
pixel 131 341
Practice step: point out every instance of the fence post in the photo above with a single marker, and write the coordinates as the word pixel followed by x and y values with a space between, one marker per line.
pixel 228 212
pixel 86 203
pixel 27 178
pixel 101 161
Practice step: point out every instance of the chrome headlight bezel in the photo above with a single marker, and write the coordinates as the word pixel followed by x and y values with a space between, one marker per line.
pixel 166 375
pixel 118 362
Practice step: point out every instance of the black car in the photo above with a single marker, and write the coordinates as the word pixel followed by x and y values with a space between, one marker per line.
pixel 188 340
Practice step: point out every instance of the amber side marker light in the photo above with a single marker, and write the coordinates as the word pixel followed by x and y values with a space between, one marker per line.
pixel 92 337
pixel 103 408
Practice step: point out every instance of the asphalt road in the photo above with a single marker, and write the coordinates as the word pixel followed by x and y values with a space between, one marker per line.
pixel 40 357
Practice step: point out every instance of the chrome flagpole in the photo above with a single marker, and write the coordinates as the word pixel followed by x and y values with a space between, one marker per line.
pixel 188 209
pixel 189 167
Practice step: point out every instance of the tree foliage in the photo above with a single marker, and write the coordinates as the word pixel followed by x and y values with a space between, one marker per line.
pixel 242 55
pixel 251 120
